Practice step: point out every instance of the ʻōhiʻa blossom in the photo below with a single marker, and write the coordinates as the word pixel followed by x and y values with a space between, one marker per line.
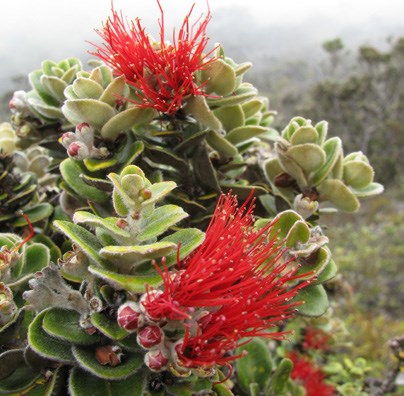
pixel 162 73
pixel 237 285
pixel 311 377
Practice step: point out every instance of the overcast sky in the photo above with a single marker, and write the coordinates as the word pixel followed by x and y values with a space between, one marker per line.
pixel 33 30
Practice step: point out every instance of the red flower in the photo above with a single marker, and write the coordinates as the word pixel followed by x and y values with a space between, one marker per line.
pixel 310 376
pixel 316 339
pixel 235 286
pixel 161 73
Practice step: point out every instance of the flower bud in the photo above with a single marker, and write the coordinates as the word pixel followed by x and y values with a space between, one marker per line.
pixel 129 316
pixel 78 151
pixel 18 104
pixel 149 336
pixel 85 133
pixel 156 360
pixel 8 307
pixel 67 138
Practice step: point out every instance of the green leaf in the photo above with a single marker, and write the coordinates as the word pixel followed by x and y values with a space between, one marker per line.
pixel 55 252
pixel 339 194
pixel 55 86
pixel 221 144
pixel 199 109
pixel 82 383
pixel 87 89
pixel 129 256
pixel 64 324
pixel 189 238
pixel 108 326
pixel 125 120
pixel 85 239
pixel 107 224
pixel 92 111
pixel 36 257
pixel 304 134
pixel 9 361
pixel 371 189
pixel 280 377
pixel 35 213
pixel 333 149
pixel 85 356
pixel 159 191
pixel 328 273
pixel 34 79
pixel 20 380
pixel 160 221
pixel 315 301
pixel 283 223
pixel 358 174
pixel 131 283
pixel 298 233
pixel 220 78
pixel 45 345
pixel 308 156
pixel 256 366
pixel 243 133
pixel 231 117
pixel 71 173
pixel 113 91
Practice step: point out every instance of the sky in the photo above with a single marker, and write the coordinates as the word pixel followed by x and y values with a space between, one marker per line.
pixel 33 30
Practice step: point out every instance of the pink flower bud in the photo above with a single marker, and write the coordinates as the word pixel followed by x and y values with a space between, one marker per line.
pixel 73 149
pixel 156 360
pixel 129 316
pixel 67 138
pixel 12 104
pixel 149 336
pixel 81 126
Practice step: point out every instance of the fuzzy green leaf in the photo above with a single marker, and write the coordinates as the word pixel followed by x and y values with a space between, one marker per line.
pixel 83 238
pixel 256 366
pixel 221 144
pixel 86 358
pixel 82 383
pixel 339 194
pixel 35 213
pixel 87 89
pixel 231 117
pixel 125 120
pixel 333 149
pixel 92 111
pixel 63 324
pixel 280 377
pixel 108 224
pixel 160 221
pixel 131 283
pixel 189 238
pixel 131 255
pixel 71 173
pixel 243 133
pixel 45 345
pixel 315 301
pixel 108 326
pixel 220 78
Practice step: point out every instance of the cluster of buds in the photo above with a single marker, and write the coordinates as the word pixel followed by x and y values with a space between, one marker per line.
pixel 150 336
pixel 8 307
pixel 80 144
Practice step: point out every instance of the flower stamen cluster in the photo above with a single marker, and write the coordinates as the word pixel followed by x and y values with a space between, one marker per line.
pixel 237 285
pixel 161 73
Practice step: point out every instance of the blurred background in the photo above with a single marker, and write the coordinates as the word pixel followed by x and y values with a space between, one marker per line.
pixel 338 60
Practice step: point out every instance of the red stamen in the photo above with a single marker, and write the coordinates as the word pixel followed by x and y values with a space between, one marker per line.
pixel 31 232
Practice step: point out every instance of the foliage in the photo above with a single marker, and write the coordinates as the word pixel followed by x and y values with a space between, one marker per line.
pixel 117 288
